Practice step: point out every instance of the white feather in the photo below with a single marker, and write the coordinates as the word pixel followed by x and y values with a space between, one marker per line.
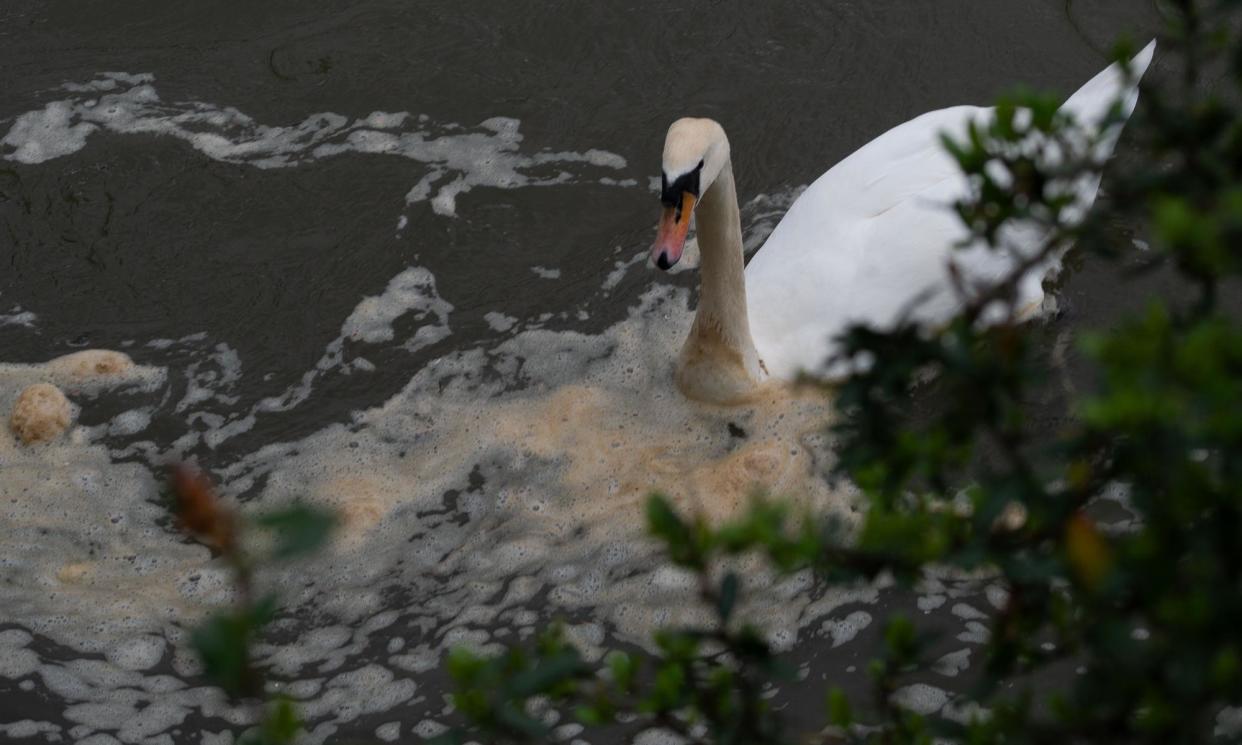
pixel 876 232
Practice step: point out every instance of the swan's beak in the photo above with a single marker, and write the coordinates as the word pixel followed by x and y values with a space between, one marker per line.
pixel 671 238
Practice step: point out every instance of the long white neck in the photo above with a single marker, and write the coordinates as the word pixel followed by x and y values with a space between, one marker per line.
pixel 718 362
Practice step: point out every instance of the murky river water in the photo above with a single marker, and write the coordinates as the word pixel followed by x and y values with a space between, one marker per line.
pixel 390 257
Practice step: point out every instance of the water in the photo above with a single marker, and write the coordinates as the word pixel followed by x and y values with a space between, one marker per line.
pixel 388 256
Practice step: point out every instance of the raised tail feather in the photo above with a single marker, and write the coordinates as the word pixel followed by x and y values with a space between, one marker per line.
pixel 1093 101
pixel 1090 105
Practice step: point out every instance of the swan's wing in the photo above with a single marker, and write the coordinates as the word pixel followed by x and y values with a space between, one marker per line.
pixel 877 231
pixel 865 239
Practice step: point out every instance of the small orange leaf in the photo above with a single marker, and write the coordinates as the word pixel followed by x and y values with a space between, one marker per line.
pixel 199 510
pixel 1088 553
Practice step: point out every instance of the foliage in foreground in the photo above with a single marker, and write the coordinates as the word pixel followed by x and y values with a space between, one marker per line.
pixel 223 642
pixel 1150 610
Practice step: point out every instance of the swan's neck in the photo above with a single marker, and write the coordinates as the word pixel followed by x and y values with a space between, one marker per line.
pixel 719 362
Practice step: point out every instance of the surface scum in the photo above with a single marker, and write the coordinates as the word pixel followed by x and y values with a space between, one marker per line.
pixel 500 489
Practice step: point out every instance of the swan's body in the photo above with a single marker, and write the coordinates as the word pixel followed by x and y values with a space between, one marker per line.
pixel 858 246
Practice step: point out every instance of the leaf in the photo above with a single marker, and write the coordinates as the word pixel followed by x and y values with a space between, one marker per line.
pixel 509 715
pixel 464 665
pixel 546 673
pixel 839 712
pixel 263 611
pixel 589 715
pixel 300 529
pixel 669 688
pixel 199 509
pixel 281 725
pixel 664 523
pixel 222 644
pixel 623 668
pixel 1089 555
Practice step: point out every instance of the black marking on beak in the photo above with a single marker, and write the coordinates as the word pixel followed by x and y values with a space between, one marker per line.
pixel 670 194
pixel 662 261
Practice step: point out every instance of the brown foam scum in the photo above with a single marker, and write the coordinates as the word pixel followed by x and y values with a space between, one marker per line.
pixel 84 560
pixel 501 488
pixel 562 469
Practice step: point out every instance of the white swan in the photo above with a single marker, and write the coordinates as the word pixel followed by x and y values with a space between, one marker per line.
pixel 859 245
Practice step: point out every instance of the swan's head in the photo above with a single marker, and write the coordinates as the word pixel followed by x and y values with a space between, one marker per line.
pixel 695 151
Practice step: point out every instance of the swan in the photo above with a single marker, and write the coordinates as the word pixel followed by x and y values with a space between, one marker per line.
pixel 866 238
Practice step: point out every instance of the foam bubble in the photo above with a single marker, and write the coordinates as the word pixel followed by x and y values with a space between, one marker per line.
pixel 26 728
pixel 41 413
pixel 499 322
pixel 845 629
pixel 137 653
pixel 975 633
pixel 87 372
pixel 968 612
pixel 920 698
pixel 953 663
pixel 18 317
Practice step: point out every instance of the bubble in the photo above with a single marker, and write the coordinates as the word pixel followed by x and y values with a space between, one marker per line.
pixel 40 414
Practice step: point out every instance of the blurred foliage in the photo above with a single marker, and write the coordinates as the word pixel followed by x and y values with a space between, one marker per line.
pixel 223 642
pixel 1149 609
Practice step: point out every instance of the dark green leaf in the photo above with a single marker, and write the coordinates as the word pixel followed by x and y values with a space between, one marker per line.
pixel 300 529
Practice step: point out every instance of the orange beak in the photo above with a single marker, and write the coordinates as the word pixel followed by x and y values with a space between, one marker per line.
pixel 671 238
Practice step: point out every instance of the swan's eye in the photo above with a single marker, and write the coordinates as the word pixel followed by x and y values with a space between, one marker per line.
pixel 687 183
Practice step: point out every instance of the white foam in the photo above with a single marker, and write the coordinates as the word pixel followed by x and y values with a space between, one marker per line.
pixel 15 660
pixel 658 737
pixel 619 268
pixel 26 728
pixel 975 633
pixel 18 317
pixel 457 158
pixel 845 629
pixel 429 728
pixel 762 213
pixel 82 374
pixel 1228 722
pixel 968 612
pixel 130 422
pixel 965 712
pixel 211 381
pixel 997 595
pixel 953 663
pixel 412 290
pixel 920 698
pixel 497 321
